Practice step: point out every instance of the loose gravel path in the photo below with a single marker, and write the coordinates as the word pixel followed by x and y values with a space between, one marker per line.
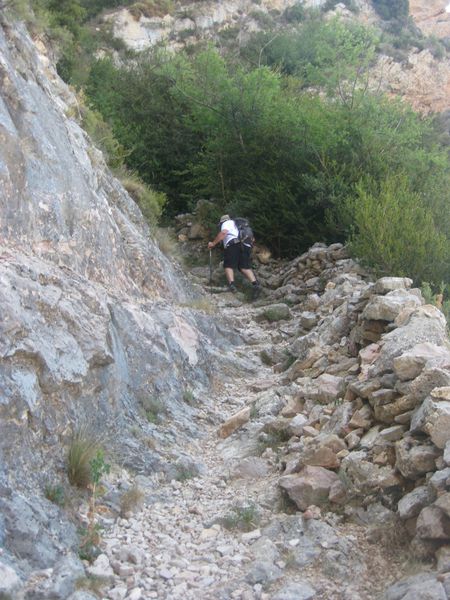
pixel 221 535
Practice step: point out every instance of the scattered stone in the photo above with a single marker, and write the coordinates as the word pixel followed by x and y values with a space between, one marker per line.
pixel 235 422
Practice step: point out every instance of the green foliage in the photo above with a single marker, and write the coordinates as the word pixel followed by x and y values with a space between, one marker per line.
pixel 244 517
pixel 153 409
pixel 253 135
pixel 395 233
pixel 439 296
pixel 391 9
pixel 98 467
pixel 150 202
pixel 295 14
pixel 189 397
pixel 55 493
pixel 102 136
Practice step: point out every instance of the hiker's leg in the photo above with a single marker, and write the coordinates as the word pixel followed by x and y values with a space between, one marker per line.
pixel 245 267
pixel 229 274
pixel 231 262
pixel 248 273
pixel 245 262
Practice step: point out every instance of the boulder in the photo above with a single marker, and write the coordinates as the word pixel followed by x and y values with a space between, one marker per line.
pixel 411 504
pixel 389 284
pixel 234 422
pixel 423 586
pixel 295 591
pixel 433 418
pixel 410 364
pixel 364 476
pixel 310 486
pixel 433 524
pixel 326 388
pixel 274 312
pixel 443 502
pixel 414 459
pixel 388 307
pixel 424 324
pixel 422 386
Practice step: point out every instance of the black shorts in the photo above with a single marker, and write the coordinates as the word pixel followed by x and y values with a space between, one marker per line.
pixel 237 256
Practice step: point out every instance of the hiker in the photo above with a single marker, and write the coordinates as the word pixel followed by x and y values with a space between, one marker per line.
pixel 237 255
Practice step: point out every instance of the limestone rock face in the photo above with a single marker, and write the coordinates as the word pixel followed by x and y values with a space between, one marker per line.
pixel 92 329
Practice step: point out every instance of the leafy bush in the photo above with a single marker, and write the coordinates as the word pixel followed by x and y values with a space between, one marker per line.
pixel 102 136
pixel 395 233
pixel 294 14
pixel 391 9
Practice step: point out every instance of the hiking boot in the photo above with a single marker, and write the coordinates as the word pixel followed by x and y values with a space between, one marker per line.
pixel 256 291
pixel 232 288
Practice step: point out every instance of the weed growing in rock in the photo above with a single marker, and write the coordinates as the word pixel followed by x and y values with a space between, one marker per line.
pixel 439 297
pixel 203 304
pixel 55 493
pixel 131 500
pixel 188 397
pixel 153 409
pixel 83 448
pixel 92 584
pixel 166 243
pixel 244 517
pixel 272 439
pixel 184 473
pixel 90 535
pixel 254 412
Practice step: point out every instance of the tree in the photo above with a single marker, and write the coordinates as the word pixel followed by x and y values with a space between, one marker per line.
pixel 392 9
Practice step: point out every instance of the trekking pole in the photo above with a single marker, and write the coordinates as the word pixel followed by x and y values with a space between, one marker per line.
pixel 210 266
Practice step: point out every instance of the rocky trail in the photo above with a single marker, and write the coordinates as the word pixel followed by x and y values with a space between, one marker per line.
pixel 225 529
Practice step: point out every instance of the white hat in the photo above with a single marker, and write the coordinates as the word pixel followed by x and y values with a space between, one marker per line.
pixel 224 218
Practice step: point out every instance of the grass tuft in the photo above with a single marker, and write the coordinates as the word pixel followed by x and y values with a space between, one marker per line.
pixel 82 450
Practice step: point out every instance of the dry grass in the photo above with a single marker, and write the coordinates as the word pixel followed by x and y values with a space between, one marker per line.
pixel 167 243
pixel 82 450
pixel 151 8
pixel 131 500
pixel 204 304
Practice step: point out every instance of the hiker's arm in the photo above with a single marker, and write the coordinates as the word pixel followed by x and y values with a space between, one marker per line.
pixel 219 237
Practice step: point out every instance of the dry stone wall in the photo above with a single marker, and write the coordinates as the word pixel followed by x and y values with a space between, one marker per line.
pixel 368 413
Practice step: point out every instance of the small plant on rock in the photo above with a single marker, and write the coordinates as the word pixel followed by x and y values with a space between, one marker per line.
pixel 188 397
pixel 131 500
pixel 244 517
pixel 90 535
pixel 82 449
pixel 55 493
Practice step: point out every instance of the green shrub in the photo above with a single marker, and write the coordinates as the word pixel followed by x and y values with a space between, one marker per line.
pixel 391 9
pixel 149 201
pixel 395 233
pixel 244 517
pixel 153 409
pixel 102 136
pixel 55 493
pixel 295 14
